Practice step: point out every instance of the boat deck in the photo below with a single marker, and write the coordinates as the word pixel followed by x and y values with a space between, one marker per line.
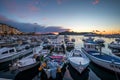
pixel 104 56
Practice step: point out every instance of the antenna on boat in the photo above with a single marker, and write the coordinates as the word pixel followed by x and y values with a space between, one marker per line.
pixel 113 62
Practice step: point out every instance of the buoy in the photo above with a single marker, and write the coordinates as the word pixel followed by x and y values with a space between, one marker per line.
pixel 40 68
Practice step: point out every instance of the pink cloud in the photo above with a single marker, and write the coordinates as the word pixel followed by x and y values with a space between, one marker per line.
pixel 96 2
pixel 45 19
pixel 33 8
pixel 59 1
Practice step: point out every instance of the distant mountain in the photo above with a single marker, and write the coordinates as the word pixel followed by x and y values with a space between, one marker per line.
pixel 76 33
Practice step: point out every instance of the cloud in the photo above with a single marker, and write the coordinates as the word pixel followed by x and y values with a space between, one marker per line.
pixel 14 6
pixel 3 18
pixel 59 1
pixel 30 27
pixel 96 2
pixel 33 8
pixel 97 31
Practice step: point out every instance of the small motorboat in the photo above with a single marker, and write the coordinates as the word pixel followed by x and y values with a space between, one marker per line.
pixel 104 60
pixel 52 65
pixel 78 60
pixel 9 54
pixel 73 40
pixel 23 68
pixel 70 46
pixel 99 41
pixel 114 45
pixel 90 39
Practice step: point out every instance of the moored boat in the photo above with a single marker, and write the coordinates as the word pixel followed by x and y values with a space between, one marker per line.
pixel 22 69
pixel 78 60
pixel 8 55
pixel 106 61
pixel 73 40
pixel 54 61
pixel 114 45
pixel 52 65
pixel 70 46
pixel 99 41
pixel 90 39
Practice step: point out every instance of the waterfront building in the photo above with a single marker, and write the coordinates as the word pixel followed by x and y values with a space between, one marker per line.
pixel 6 29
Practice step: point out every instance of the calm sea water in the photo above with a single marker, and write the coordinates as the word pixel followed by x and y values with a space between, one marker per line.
pixel 93 72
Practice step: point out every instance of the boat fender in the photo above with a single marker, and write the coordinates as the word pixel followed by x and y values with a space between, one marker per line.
pixel 58 69
pixel 44 64
pixel 40 68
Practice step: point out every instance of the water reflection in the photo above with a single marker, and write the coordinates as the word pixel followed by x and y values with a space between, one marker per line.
pixel 102 73
pixel 76 75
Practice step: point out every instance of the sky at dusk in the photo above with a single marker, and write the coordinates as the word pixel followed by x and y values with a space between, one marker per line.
pixel 62 15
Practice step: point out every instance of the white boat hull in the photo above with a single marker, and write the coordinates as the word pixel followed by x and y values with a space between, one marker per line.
pixel 16 55
pixel 115 46
pixel 105 64
pixel 79 67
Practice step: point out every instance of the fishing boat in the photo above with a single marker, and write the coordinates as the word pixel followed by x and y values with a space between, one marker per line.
pixel 52 65
pixel 88 39
pixel 22 69
pixel 117 39
pixel 99 41
pixel 114 45
pixel 25 63
pixel 78 60
pixel 73 40
pixel 54 61
pixel 70 46
pixel 6 55
pixel 9 54
pixel 106 61
pixel 66 38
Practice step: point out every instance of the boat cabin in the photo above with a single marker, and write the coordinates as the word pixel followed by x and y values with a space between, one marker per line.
pixel 7 50
pixel 22 47
pixel 90 46
pixel 70 44
pixel 58 46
